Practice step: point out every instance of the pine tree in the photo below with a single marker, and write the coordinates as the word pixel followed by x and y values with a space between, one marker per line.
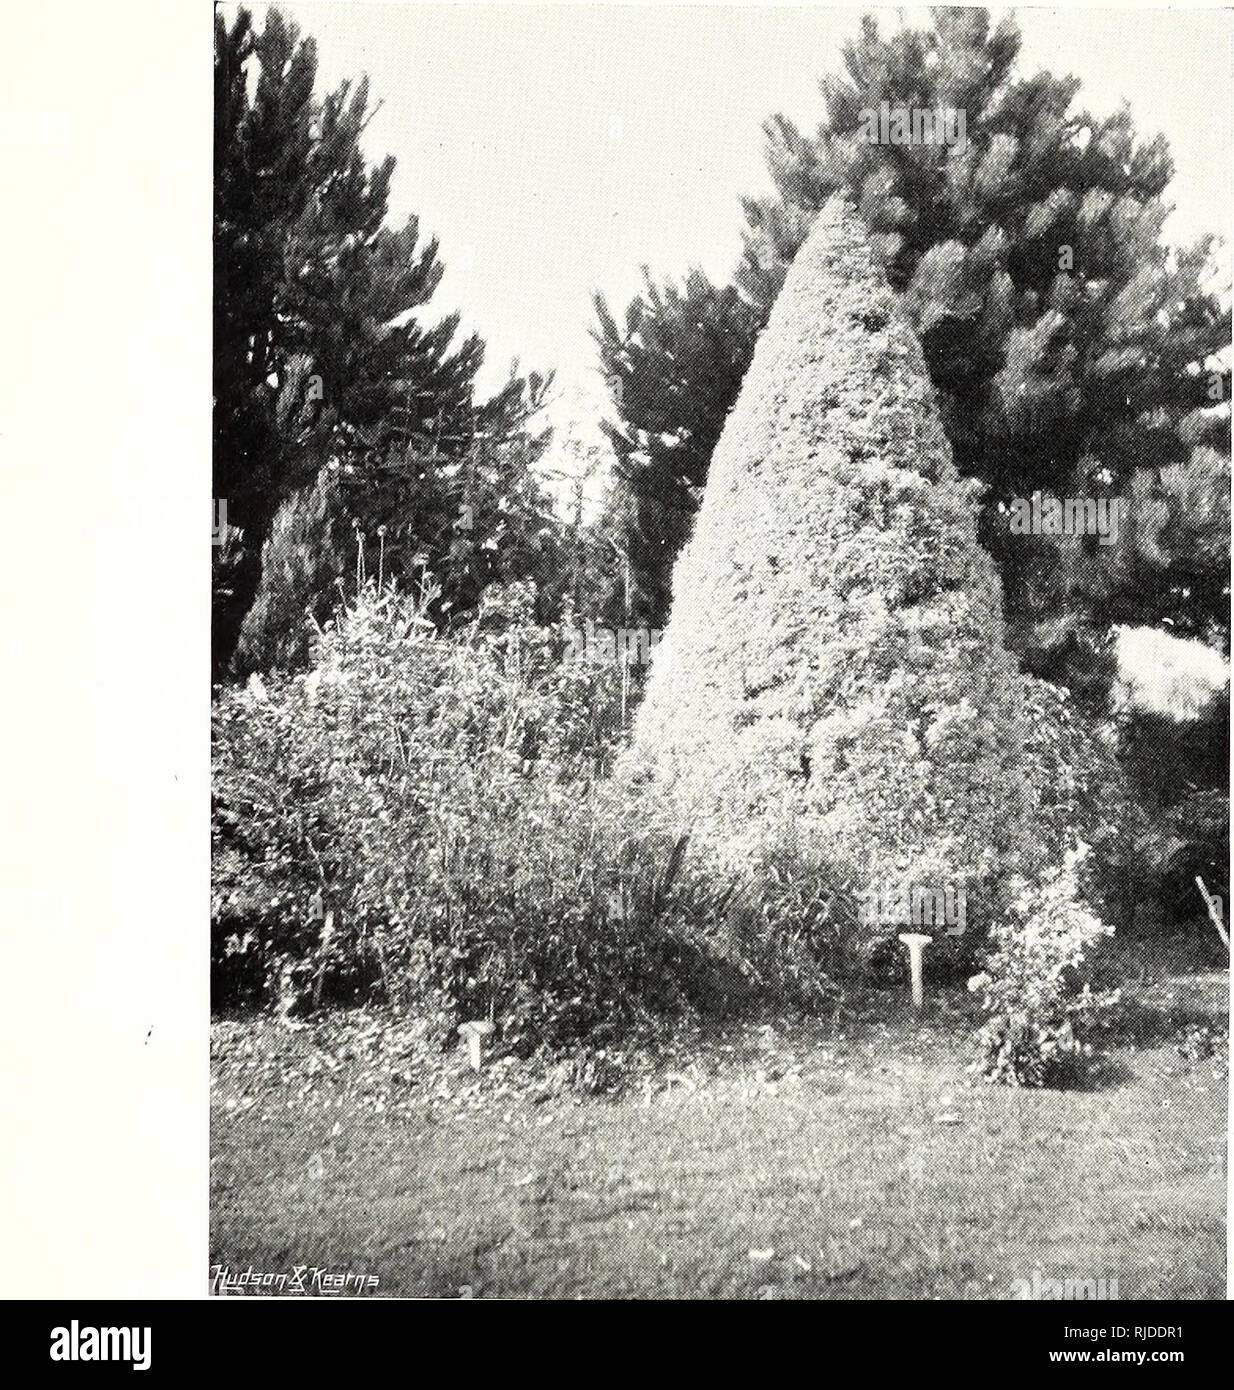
pixel 833 680
pixel 321 357
pixel 681 359
pixel 1067 345
pixel 261 152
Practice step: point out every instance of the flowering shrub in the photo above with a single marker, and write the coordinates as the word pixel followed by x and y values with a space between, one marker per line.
pixel 1037 1005
pixel 426 819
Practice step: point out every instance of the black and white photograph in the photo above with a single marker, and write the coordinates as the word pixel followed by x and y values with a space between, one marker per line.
pixel 695 765
pixel 719 778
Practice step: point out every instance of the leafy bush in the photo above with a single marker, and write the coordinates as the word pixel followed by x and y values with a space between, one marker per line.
pixel 1078 792
pixel 440 803
pixel 1038 1007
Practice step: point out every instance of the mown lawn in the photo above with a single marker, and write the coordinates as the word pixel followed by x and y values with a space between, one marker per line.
pixel 852 1158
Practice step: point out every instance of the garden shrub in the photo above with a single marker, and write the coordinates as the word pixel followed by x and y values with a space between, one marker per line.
pixel 441 802
pixel 1039 1007
pixel 1079 793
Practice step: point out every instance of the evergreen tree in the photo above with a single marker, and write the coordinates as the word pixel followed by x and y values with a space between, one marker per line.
pixel 303 558
pixel 1069 348
pixel 321 357
pixel 680 360
pixel 395 524
pixel 261 151
pixel 833 683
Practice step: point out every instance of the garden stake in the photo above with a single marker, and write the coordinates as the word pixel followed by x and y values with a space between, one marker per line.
pixel 916 942
pixel 475 1032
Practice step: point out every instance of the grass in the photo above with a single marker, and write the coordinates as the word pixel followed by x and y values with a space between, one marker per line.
pixel 854 1159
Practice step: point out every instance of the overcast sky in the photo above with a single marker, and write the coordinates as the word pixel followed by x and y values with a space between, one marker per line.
pixel 554 149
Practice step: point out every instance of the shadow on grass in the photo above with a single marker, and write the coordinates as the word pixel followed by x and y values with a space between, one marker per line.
pixel 1137 1024
pixel 1097 1073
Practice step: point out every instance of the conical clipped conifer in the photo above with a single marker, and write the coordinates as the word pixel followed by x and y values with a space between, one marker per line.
pixel 833 682
pixel 1073 348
